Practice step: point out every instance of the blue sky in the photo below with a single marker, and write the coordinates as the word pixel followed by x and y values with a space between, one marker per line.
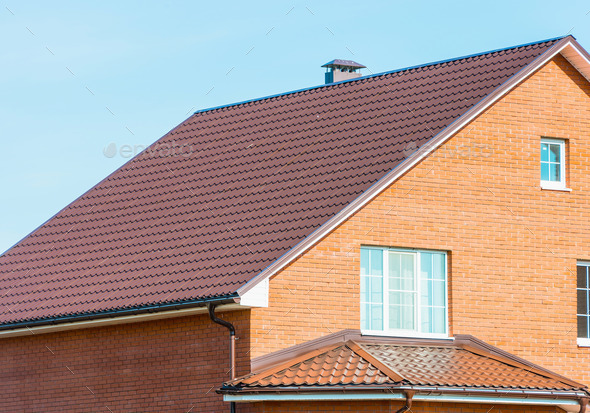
pixel 79 76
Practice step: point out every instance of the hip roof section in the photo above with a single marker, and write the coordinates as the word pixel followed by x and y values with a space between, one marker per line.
pixel 377 363
pixel 225 194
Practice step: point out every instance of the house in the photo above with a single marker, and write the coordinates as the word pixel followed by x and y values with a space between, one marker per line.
pixel 416 240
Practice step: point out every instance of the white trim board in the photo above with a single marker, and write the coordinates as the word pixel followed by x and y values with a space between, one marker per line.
pixel 570 405
pixel 567 46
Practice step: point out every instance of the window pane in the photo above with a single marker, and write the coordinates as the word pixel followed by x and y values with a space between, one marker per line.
pixel 439 293
pixel 401 271
pixel 544 152
pixel 376 262
pixel 426 264
pixel 401 316
pixel 395 317
pixel 555 153
pixel 394 272
pixel 407 267
pixel 376 317
pixel 426 315
pixel 544 171
pixel 364 312
pixel 426 292
pixel 364 261
pixel 554 172
pixel 583 327
pixel 582 301
pixel 408 317
pixel 438 266
pixel 439 321
pixel 376 290
pixel 582 280
pixel 365 288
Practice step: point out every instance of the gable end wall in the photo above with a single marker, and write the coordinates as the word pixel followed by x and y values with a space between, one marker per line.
pixel 512 246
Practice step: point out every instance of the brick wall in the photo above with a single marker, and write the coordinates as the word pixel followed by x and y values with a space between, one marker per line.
pixel 392 407
pixel 512 246
pixel 157 366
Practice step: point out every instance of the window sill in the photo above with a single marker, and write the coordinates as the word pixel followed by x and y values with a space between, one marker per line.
pixel 405 334
pixel 553 188
pixel 583 342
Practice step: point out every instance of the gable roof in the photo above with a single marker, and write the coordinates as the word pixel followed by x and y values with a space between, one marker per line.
pixel 234 192
pixel 377 363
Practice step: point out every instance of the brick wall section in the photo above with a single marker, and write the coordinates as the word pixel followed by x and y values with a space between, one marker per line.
pixel 165 365
pixel 512 246
pixel 392 407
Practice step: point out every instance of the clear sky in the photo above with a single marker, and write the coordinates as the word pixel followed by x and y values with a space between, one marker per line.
pixel 77 77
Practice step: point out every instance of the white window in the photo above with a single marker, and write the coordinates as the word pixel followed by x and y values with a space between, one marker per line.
pixel 583 287
pixel 552 163
pixel 404 292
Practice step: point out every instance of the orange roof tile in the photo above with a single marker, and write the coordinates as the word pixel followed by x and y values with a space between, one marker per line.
pixel 467 364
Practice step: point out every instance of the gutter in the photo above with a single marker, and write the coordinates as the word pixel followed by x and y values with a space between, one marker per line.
pixel 127 315
pixel 576 403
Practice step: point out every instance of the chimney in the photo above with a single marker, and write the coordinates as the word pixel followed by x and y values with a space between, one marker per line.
pixel 338 70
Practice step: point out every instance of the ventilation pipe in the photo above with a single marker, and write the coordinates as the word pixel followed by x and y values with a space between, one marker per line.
pixel 232 345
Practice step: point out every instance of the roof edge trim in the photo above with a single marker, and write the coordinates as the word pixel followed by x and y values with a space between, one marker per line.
pixel 127 314
pixel 409 162
pixel 437 62
pixel 382 394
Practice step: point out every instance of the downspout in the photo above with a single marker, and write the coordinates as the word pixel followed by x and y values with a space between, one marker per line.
pixel 408 406
pixel 232 345
pixel 583 405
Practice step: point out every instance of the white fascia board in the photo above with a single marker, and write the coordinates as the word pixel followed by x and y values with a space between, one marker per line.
pixel 570 405
pixel 257 296
pixel 578 59
pixel 100 322
pixel 406 165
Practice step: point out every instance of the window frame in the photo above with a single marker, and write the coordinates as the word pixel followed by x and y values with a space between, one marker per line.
pixel 561 184
pixel 418 288
pixel 583 341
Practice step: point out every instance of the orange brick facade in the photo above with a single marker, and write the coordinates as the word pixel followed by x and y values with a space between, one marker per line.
pixel 512 251
pixel 172 365
pixel 512 247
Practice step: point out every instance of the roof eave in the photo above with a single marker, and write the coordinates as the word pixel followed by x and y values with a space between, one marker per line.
pixel 73 321
pixel 571 398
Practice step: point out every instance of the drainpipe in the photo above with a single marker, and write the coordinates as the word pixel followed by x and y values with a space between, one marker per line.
pixel 584 405
pixel 232 345
pixel 408 406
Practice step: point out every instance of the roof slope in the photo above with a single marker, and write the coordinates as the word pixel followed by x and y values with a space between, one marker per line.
pixel 371 362
pixel 222 196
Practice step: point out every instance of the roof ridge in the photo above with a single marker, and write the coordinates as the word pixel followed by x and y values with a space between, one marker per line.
pixel 375 361
pixel 403 69
pixel 273 369
pixel 483 349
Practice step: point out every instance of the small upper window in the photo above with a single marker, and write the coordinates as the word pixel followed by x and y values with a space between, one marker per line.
pixel 552 163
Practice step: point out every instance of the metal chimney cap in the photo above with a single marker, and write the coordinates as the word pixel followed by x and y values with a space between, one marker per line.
pixel 344 63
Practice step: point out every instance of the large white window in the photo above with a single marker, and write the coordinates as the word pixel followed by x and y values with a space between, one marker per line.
pixel 404 292
pixel 583 287
pixel 552 163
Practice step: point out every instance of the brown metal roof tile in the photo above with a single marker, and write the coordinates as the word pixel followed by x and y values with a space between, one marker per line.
pixel 451 365
pixel 259 177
